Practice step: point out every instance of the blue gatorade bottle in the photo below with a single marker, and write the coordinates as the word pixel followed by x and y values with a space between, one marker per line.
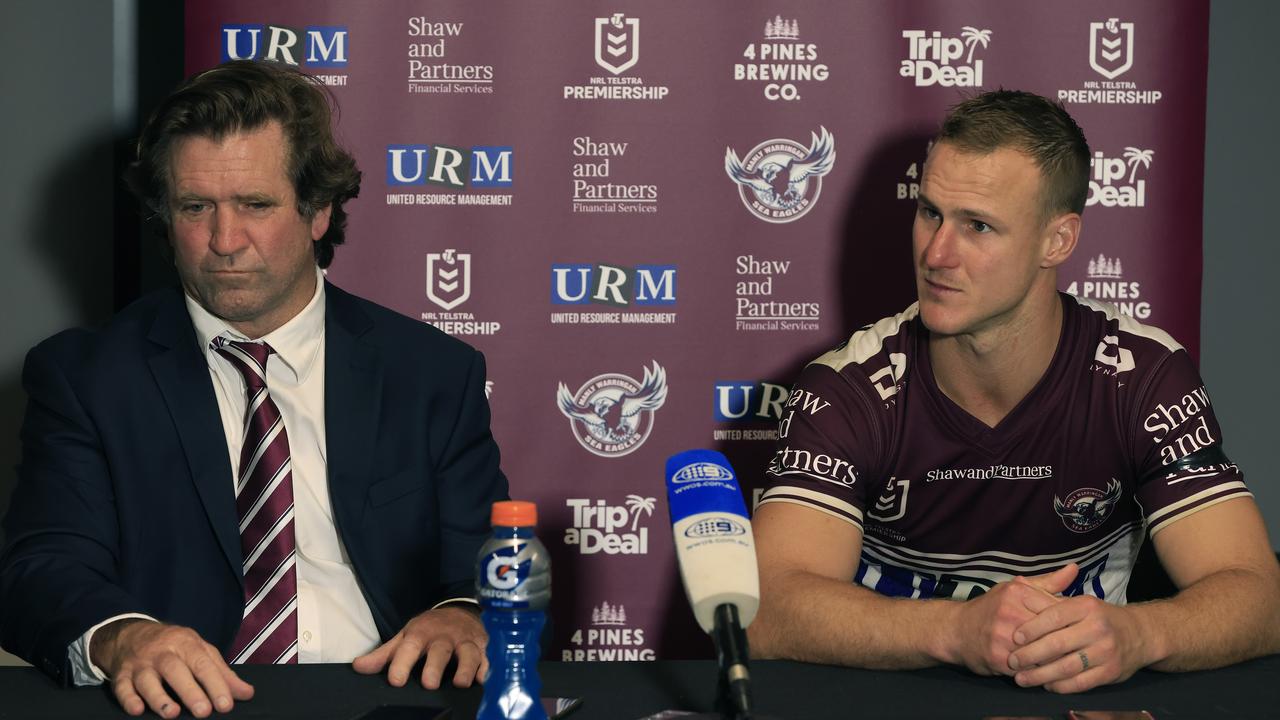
pixel 513 585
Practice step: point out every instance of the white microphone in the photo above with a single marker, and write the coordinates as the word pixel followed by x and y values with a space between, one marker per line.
pixel 717 555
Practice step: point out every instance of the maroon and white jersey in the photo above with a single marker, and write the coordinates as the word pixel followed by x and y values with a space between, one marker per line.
pixel 1117 437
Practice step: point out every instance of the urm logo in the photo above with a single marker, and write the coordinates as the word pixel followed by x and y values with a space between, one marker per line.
pixel 485 166
pixel 747 400
pixel 582 284
pixel 314 46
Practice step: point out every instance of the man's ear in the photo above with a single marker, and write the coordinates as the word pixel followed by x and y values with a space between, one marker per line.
pixel 320 222
pixel 1062 233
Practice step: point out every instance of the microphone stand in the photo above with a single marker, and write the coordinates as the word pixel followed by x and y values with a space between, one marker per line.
pixel 733 691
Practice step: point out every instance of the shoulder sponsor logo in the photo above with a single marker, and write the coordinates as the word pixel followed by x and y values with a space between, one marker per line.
pixel 429 69
pixel 1166 419
pixel 612 414
pixel 608 639
pixel 313 46
pixel 1114 182
pixel 780 179
pixel 449 286
pixel 930 57
pixel 1111 55
pixel 617 51
pixel 781 61
pixel 1105 282
pixel 1111 358
pixel 816 465
pixel 593 188
pixel 599 527
pixel 1087 508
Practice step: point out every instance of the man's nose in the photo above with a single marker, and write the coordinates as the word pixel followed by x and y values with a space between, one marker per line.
pixel 226 232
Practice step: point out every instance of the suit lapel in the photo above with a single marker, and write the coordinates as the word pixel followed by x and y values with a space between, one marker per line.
pixel 353 388
pixel 181 372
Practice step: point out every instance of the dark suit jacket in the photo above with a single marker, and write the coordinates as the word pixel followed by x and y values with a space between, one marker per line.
pixel 125 499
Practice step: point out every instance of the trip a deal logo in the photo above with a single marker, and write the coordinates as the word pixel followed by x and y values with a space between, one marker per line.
pixel 450 175
pixel 312 46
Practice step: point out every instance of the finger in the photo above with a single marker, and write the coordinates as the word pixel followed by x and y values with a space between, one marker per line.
pixel 469 659
pixel 208 672
pixel 407 653
pixel 1037 600
pixel 128 698
pixel 1091 678
pixel 178 676
pixel 1066 665
pixel 438 655
pixel 147 683
pixel 483 672
pixel 1056 581
pixel 1051 619
pixel 373 662
pixel 240 690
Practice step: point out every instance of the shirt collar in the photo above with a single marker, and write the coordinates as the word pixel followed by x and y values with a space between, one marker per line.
pixel 297 342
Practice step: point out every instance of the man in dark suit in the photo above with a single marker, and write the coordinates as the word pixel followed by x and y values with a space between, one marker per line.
pixel 257 466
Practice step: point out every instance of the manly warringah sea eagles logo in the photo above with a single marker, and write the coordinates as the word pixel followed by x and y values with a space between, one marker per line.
pixel 612 414
pixel 1087 508
pixel 1111 47
pixel 617 43
pixel 780 179
pixel 448 278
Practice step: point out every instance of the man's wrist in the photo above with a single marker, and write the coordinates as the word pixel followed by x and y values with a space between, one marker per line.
pixel 104 645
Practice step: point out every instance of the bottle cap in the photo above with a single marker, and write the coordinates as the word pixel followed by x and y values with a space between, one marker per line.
pixel 514 513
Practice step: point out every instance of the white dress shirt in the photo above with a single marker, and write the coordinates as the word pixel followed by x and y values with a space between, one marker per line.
pixel 334 621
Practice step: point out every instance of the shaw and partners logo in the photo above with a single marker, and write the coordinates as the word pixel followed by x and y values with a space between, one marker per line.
pixel 780 179
pixel 321 46
pixel 612 414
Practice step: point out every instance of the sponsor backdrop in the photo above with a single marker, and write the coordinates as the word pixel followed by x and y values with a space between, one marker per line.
pixel 649 217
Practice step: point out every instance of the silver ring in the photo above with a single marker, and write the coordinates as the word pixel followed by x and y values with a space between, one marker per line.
pixel 1084 660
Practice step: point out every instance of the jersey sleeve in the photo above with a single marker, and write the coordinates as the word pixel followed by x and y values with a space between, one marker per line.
pixel 826 447
pixel 1181 466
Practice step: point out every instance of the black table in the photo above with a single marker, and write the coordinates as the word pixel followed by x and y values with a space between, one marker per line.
pixel 627 691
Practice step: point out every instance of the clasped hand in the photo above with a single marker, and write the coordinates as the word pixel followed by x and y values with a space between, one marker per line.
pixel 1025 628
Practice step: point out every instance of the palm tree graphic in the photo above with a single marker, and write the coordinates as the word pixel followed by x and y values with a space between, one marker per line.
pixel 1135 156
pixel 635 504
pixel 972 37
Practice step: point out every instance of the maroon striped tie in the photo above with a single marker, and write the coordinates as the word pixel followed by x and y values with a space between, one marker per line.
pixel 264 501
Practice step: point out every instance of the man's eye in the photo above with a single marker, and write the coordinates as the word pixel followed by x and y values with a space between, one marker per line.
pixel 192 208
pixel 981 227
pixel 258 205
pixel 930 213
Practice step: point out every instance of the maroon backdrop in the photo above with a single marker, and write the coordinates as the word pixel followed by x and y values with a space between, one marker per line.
pixel 555 183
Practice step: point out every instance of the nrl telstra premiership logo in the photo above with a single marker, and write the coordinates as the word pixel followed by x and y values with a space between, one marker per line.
pixel 612 414
pixel 780 179
pixel 1111 47
pixel 448 278
pixel 617 43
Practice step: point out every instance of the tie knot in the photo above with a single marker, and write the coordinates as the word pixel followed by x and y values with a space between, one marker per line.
pixel 250 358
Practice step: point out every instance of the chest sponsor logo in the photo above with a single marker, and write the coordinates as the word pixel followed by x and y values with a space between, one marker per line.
pixel 781 62
pixel 1111 53
pixel 431 71
pixel 610 637
pixel 314 46
pixel 780 180
pixel 1114 181
pixel 945 61
pixel 1105 281
pixel 991 472
pixel 599 527
pixel 1087 508
pixel 612 414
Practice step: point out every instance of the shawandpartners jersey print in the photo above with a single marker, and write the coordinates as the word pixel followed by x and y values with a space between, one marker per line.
pixel 1118 437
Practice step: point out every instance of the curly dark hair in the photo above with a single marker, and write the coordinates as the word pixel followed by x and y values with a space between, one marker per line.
pixel 1031 124
pixel 246 95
